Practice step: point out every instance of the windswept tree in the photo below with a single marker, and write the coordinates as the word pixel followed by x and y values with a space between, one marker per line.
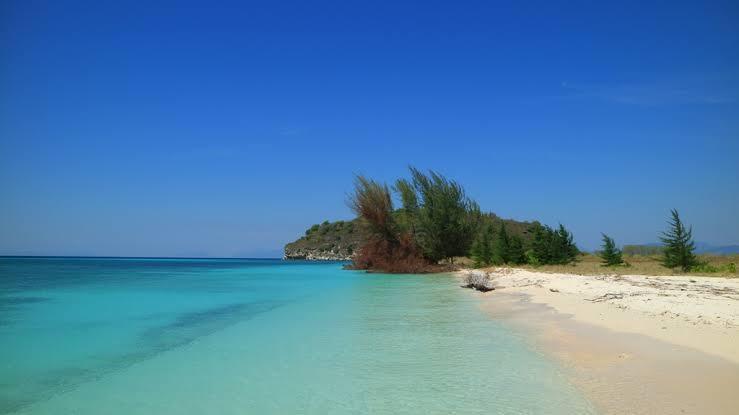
pixel 610 255
pixel 679 246
pixel 409 200
pixel 447 219
pixel 372 203
pixel 388 248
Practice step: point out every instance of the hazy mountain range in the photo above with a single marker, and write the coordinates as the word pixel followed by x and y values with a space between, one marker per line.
pixel 706 248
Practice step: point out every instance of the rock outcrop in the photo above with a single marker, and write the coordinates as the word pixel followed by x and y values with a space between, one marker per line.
pixel 329 241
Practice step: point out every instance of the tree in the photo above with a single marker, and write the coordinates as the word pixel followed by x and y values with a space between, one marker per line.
pixel 540 242
pixel 567 249
pixel 610 254
pixel 516 252
pixel 388 247
pixel 409 200
pixel 501 247
pixel 372 203
pixel 550 246
pixel 679 246
pixel 447 220
pixel 482 247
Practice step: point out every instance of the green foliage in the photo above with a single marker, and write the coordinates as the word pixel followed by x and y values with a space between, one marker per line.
pixel 312 229
pixel 497 248
pixel 552 246
pixel 482 247
pixel 679 246
pixel 447 219
pixel 501 247
pixel 610 255
pixel 532 258
pixel 372 203
pixel 407 214
pixel 705 267
pixel 516 254
pixel 436 221
pixel 338 236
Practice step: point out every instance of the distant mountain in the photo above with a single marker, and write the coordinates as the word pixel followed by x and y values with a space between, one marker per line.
pixel 705 248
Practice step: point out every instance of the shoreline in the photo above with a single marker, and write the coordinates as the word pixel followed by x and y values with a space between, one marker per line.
pixel 632 344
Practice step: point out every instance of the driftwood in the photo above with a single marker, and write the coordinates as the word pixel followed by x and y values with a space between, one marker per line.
pixel 478 280
pixel 606 297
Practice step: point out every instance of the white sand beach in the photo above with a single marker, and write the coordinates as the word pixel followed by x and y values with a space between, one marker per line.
pixel 634 344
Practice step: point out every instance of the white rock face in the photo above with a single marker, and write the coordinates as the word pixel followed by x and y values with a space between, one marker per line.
pixel 316 255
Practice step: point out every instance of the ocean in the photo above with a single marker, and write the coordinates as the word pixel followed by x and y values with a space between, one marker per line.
pixel 254 336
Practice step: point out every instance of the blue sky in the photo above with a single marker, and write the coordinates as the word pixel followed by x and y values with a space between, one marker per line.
pixel 227 128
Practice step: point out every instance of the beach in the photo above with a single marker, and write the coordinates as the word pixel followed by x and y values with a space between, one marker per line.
pixel 631 343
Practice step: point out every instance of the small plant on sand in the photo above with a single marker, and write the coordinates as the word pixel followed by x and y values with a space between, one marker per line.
pixel 610 255
pixel 679 245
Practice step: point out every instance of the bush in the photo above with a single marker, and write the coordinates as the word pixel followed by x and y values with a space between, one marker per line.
pixel 729 268
pixel 393 257
pixel 531 258
pixel 478 280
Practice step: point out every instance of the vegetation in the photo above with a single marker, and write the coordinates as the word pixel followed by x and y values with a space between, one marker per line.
pixel 446 219
pixel 438 222
pixel 679 246
pixel 339 239
pixel 590 264
pixel 497 248
pixel 551 246
pixel 482 251
pixel 610 254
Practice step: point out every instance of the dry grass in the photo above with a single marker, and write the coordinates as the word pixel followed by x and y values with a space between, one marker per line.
pixel 589 264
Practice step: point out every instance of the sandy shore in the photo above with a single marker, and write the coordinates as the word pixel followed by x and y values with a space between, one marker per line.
pixel 633 344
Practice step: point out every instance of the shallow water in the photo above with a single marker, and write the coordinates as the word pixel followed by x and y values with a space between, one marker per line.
pixel 150 336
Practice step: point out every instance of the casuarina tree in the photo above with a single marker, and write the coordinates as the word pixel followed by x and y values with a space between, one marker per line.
pixel 679 246
pixel 610 255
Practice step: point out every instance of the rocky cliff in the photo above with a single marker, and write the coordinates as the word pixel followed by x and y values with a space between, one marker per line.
pixel 329 241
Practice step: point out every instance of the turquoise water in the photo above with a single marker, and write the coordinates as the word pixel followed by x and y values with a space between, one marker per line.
pixel 173 336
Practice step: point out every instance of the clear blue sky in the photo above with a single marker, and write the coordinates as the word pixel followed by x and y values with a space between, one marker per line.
pixel 226 128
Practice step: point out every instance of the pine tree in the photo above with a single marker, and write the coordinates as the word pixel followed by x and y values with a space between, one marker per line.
pixel 679 246
pixel 515 250
pixel 482 247
pixel 567 249
pixel 550 246
pixel 610 254
pixel 501 247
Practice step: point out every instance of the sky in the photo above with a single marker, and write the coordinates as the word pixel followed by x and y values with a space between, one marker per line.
pixel 226 129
